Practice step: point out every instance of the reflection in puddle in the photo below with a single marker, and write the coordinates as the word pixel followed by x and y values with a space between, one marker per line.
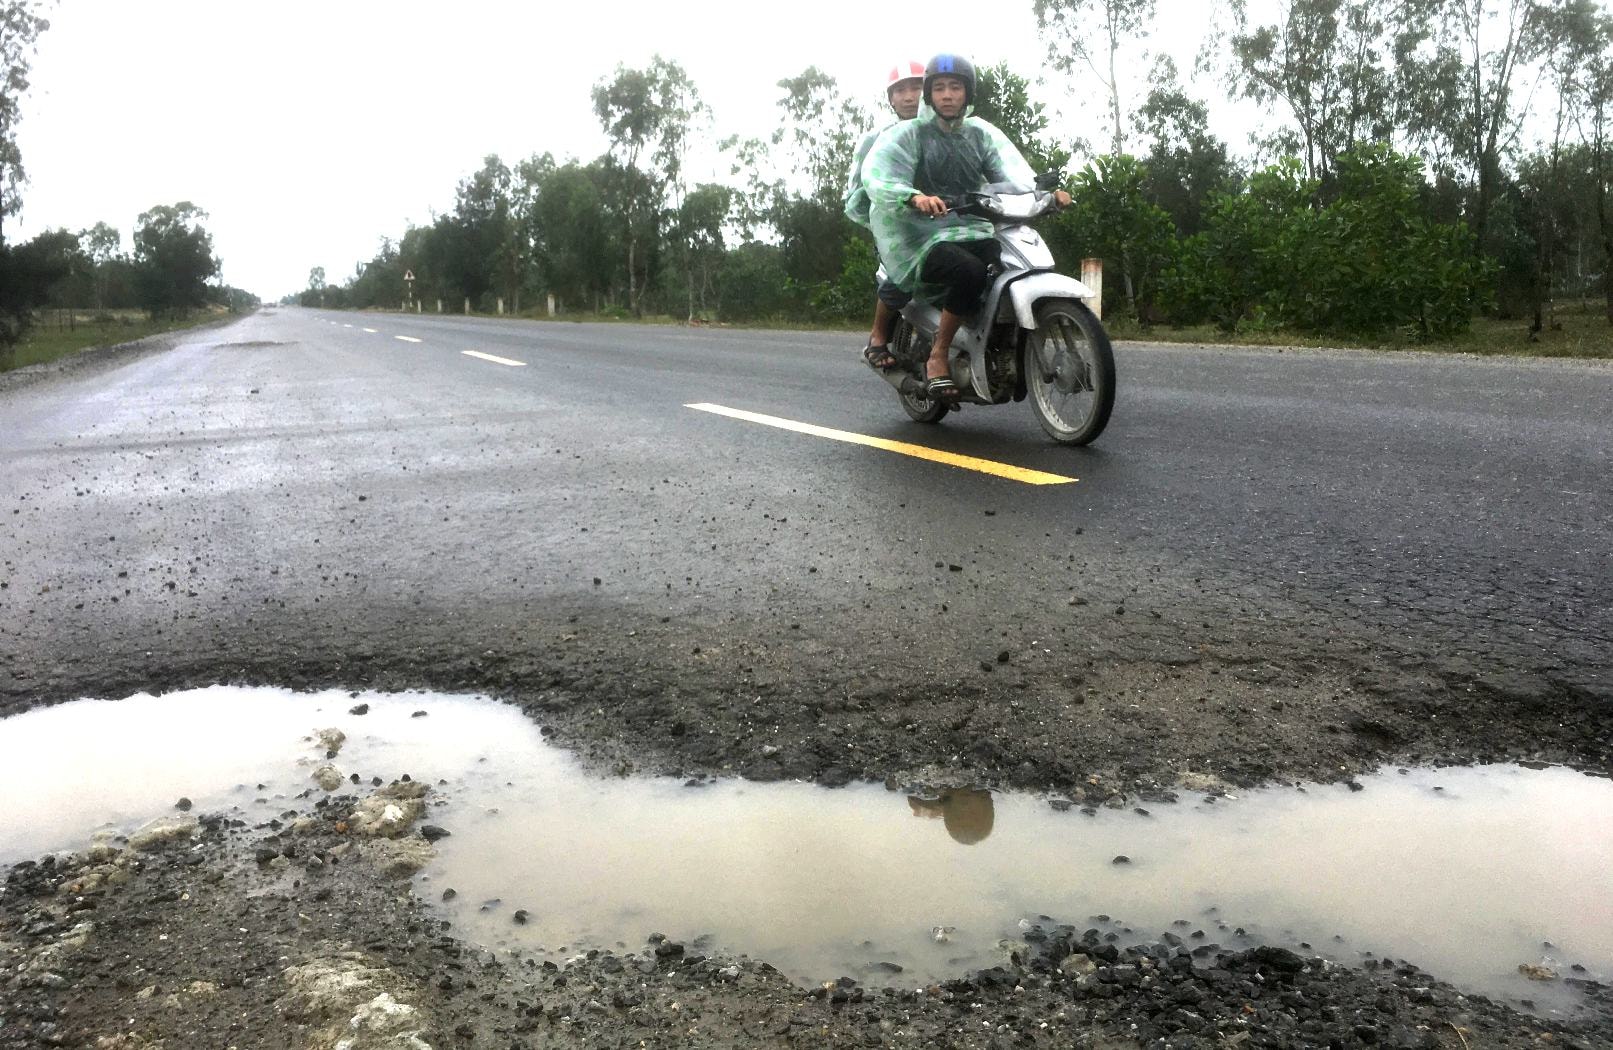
pixel 1466 872
pixel 967 813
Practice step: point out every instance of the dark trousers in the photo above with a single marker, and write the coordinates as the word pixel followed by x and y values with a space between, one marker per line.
pixel 961 268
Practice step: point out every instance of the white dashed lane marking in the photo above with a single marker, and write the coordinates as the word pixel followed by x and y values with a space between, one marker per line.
pixel 495 360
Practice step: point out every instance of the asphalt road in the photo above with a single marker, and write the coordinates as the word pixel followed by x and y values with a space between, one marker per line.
pixel 1271 564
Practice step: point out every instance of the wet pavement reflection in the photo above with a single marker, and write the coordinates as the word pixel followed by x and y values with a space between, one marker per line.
pixel 1467 872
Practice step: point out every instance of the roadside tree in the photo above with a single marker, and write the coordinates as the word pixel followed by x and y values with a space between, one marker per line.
pixel 1462 97
pixel 1112 218
pixel 646 114
pixel 29 276
pixel 1003 99
pixel 575 244
pixel 700 223
pixel 20 25
pixel 173 255
pixel 103 245
pixel 1328 63
pixel 1186 165
pixel 1067 29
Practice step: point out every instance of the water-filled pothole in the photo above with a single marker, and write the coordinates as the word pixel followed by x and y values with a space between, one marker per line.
pixel 1468 872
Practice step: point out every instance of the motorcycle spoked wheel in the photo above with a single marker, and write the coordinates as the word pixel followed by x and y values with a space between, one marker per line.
pixel 919 409
pixel 1070 372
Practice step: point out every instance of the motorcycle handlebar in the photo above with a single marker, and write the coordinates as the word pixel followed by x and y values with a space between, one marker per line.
pixel 975 203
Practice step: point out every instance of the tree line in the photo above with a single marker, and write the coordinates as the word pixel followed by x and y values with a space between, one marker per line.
pixel 169 268
pixel 1426 160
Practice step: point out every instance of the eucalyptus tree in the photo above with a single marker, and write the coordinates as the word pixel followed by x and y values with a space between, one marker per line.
pixel 102 244
pixel 573 242
pixel 819 132
pixel 20 25
pixel 479 259
pixel 1574 35
pixel 646 114
pixel 1334 65
pixel 1594 118
pixel 792 183
pixel 1090 34
pixel 820 126
pixel 1003 99
pixel 1186 165
pixel 1463 94
pixel 519 252
pixel 701 219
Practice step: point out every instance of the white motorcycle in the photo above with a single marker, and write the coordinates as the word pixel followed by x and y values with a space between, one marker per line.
pixel 1032 337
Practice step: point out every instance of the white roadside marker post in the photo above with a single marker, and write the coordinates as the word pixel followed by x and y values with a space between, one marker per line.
pixel 1092 277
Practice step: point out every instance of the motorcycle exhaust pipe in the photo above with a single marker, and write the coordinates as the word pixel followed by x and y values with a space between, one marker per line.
pixel 904 383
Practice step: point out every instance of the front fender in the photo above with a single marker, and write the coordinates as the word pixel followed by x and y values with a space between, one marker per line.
pixel 1032 289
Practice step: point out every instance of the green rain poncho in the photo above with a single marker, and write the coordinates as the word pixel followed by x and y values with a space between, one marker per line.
pixel 856 196
pixel 929 156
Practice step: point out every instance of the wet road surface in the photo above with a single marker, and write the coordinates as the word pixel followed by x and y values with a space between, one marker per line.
pixel 1269 564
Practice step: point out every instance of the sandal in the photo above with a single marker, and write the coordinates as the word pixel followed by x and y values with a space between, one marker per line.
pixel 941 387
pixel 879 358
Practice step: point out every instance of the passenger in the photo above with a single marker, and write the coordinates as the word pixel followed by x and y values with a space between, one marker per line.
pixel 903 85
pixel 928 251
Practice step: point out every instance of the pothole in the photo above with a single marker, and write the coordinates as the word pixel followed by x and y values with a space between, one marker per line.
pixel 1498 878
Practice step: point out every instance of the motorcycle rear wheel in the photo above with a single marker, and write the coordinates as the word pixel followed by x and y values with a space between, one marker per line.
pixel 923 409
pixel 1070 372
pixel 919 409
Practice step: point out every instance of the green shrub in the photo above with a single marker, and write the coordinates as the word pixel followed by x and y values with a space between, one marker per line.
pixel 752 284
pixel 1112 219
pixel 1371 262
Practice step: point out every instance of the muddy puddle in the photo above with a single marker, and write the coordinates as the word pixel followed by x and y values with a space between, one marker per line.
pixel 1468 873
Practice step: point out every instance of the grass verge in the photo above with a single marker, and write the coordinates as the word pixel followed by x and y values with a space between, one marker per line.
pixel 55 339
pixel 1580 331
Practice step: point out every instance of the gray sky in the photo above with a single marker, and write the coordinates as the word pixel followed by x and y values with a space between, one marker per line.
pixel 311 131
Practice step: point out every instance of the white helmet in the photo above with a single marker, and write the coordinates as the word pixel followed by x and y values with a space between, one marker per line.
pixel 906 69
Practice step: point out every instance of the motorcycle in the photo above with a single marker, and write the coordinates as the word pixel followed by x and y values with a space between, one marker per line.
pixel 1033 336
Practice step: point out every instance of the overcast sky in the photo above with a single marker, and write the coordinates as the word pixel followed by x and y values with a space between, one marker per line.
pixel 316 128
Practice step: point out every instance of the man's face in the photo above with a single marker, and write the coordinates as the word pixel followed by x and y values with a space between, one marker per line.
pixel 904 97
pixel 947 95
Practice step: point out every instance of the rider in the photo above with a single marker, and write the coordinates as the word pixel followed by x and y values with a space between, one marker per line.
pixel 903 85
pixel 927 249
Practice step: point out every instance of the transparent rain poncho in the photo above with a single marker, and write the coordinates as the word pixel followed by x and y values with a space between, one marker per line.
pixel 936 158
pixel 856 196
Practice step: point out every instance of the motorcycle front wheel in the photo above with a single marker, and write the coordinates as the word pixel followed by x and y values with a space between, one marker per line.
pixel 1070 372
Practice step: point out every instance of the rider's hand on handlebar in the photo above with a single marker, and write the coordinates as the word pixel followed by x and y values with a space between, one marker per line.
pixel 1061 198
pixel 931 206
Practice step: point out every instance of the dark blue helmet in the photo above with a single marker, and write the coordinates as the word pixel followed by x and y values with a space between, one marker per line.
pixel 949 65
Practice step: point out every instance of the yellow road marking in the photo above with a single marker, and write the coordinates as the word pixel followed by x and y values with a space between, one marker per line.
pixel 406 338
pixel 495 360
pixel 372 331
pixel 951 459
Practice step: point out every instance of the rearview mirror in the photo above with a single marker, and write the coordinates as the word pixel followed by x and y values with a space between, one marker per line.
pixel 1048 180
